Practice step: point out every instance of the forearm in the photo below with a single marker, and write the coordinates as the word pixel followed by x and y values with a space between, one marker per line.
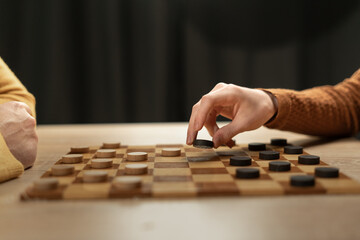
pixel 11 89
pixel 322 111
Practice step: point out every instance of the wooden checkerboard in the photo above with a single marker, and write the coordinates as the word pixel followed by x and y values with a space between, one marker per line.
pixel 195 173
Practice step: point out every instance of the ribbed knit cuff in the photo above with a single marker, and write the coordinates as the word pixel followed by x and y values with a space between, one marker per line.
pixel 284 107
pixel 10 167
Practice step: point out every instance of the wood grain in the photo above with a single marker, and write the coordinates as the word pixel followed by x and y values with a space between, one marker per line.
pixel 300 217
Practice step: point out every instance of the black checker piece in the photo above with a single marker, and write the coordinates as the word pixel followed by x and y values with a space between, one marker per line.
pixel 200 143
pixel 302 181
pixel 293 149
pixel 326 172
pixel 269 155
pixel 308 159
pixel 279 166
pixel 240 161
pixel 247 173
pixel 257 146
pixel 278 142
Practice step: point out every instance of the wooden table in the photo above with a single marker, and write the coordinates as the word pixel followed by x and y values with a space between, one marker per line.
pixel 283 217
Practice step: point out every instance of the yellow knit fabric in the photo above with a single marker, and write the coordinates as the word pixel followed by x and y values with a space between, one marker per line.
pixel 11 89
pixel 9 166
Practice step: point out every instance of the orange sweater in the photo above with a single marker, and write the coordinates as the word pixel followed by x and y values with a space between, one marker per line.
pixel 11 89
pixel 321 111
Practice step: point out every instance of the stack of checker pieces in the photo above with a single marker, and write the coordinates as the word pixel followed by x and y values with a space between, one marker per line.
pixel 169 171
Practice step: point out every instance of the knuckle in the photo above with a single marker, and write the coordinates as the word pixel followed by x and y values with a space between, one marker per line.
pixel 231 86
pixel 195 107
pixel 221 84
pixel 233 89
pixel 30 122
pixel 17 104
pixel 206 98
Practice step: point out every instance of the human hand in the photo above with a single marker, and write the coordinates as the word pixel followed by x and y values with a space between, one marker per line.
pixel 248 109
pixel 17 126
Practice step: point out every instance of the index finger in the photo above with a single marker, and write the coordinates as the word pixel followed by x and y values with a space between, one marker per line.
pixel 191 132
pixel 194 124
pixel 201 111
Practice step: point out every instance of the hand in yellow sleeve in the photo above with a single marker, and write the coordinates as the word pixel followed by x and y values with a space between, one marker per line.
pixel 18 139
pixel 17 127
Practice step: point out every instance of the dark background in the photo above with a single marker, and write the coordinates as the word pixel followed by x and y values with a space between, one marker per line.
pixel 150 60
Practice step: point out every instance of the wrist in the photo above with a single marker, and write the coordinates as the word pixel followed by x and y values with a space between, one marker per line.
pixel 275 105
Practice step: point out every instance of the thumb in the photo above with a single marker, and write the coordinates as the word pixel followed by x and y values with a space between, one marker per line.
pixel 225 134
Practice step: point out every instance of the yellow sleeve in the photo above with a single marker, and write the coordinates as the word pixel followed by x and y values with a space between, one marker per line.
pixel 11 89
pixel 9 166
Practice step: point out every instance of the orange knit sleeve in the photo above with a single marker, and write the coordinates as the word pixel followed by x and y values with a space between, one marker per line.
pixel 321 111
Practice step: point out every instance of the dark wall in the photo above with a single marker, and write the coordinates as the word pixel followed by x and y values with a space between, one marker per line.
pixel 151 60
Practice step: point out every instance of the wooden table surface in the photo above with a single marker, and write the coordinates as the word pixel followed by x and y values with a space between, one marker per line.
pixel 281 217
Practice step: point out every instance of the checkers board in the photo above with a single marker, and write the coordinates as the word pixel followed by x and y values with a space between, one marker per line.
pixel 194 173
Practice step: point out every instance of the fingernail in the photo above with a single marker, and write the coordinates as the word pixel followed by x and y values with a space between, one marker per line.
pixel 188 142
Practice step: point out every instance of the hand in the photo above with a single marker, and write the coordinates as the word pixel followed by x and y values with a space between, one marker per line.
pixel 17 126
pixel 248 109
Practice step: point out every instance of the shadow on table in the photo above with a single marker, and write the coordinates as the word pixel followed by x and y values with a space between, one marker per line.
pixel 317 141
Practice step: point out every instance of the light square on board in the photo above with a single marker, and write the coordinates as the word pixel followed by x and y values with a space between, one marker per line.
pixel 264 163
pixel 171 165
pixel 117 160
pixel 307 168
pixel 170 159
pixel 259 187
pixel 146 178
pixel 212 178
pixel 210 164
pixel 175 178
pixel 111 172
pixel 209 171
pixel 121 151
pixel 172 172
pixel 291 156
pixel 283 176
